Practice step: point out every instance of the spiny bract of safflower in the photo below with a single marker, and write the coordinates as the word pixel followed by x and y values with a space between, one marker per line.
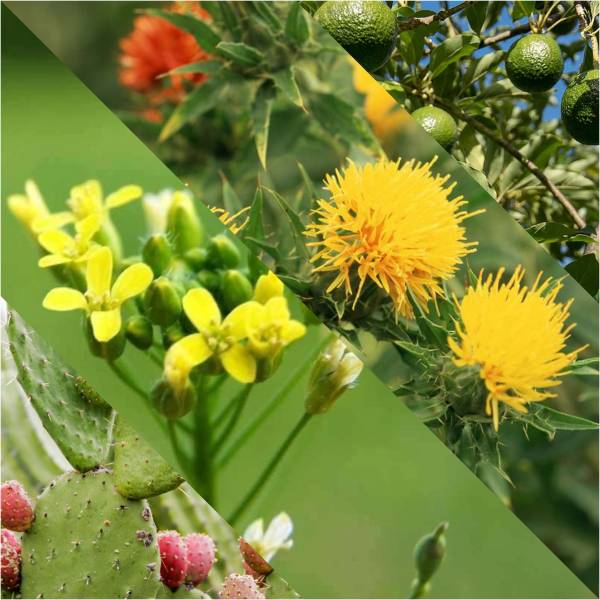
pixel 516 335
pixel 393 224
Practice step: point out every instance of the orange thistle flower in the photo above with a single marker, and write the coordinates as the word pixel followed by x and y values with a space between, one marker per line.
pixel 393 224
pixel 156 46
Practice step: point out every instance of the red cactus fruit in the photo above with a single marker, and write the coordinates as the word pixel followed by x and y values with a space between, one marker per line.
pixel 240 586
pixel 200 552
pixel 10 550
pixel 173 559
pixel 17 510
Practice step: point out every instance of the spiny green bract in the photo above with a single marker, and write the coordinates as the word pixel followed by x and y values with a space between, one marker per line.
pixel 87 541
pixel 579 108
pixel 534 63
pixel 366 29
pixel 75 416
pixel 139 471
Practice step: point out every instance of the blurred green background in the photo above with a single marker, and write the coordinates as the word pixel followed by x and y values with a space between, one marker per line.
pixel 363 482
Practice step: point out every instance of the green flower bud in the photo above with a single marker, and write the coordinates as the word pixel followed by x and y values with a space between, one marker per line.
pixel 209 280
pixel 139 332
pixel 196 258
pixel 172 334
pixel 429 553
pixel 173 403
pixel 157 253
pixel 110 350
pixel 223 253
pixel 183 223
pixel 235 289
pixel 162 303
pixel 334 372
pixel 265 367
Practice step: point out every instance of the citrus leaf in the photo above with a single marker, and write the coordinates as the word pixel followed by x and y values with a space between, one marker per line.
pixel 203 33
pixel 240 53
pixel 198 102
pixel 522 8
pixel 476 13
pixel 451 51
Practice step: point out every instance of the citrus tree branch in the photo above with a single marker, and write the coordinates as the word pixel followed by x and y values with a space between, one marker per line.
pixel 518 30
pixel 587 30
pixel 414 22
pixel 527 163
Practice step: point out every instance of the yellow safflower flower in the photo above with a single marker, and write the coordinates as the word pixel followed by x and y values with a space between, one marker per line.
pixel 234 222
pixel 382 110
pixel 393 224
pixel 87 199
pixel 101 301
pixel 216 337
pixel 28 207
pixel 64 248
pixel 516 335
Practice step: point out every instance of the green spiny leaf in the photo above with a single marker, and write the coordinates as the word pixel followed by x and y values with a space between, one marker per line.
pixel 240 53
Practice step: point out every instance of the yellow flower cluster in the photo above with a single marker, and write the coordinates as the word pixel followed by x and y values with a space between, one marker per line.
pixel 256 329
pixel 516 335
pixel 393 224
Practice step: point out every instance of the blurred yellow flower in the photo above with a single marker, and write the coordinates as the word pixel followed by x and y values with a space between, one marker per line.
pixel 87 199
pixel 30 206
pixel 234 222
pixel 393 224
pixel 516 335
pixel 268 286
pixel 382 111
pixel 216 337
pixel 64 248
pixel 101 301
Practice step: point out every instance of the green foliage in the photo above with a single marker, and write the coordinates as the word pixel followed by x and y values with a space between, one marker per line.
pixel 87 542
pixel 139 471
pixel 75 416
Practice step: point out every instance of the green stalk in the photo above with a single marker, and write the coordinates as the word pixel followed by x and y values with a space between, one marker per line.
pixel 203 463
pixel 269 469
pixel 239 402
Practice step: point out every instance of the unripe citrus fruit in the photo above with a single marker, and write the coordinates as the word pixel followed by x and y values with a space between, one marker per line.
pixel 534 63
pixel 366 29
pixel 579 108
pixel 438 123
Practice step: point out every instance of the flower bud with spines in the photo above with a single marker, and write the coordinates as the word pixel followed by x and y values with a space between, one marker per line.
pixel 183 224
pixel 157 253
pixel 139 332
pixel 162 303
pixel 223 253
pixel 173 402
pixel 235 289
pixel 335 371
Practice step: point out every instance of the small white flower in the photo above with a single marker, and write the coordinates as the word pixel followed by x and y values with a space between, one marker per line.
pixel 156 207
pixel 276 537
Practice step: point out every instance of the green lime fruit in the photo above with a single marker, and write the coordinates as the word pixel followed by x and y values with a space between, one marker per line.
pixel 579 108
pixel 438 123
pixel 534 63
pixel 365 29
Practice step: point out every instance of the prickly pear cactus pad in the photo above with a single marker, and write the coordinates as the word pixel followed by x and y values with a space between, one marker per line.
pixel 75 416
pixel 87 541
pixel 139 471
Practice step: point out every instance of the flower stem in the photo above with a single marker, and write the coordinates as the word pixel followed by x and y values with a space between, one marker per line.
pixel 238 406
pixel 203 463
pixel 125 376
pixel 269 469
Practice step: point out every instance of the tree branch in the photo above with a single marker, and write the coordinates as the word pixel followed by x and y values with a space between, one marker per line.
pixel 519 29
pixel 587 30
pixel 528 164
pixel 414 22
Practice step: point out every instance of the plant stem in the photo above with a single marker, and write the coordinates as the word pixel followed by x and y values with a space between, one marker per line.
pixel 528 164
pixel 157 360
pixel 518 30
pixel 260 419
pixel 239 403
pixel 413 23
pixel 269 469
pixel 586 29
pixel 203 462
pixel 125 376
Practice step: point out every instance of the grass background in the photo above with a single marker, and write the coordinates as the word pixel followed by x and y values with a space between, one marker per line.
pixel 362 483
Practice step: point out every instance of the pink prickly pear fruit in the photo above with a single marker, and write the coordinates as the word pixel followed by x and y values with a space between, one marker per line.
pixel 17 510
pixel 200 553
pixel 173 559
pixel 240 586
pixel 10 550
